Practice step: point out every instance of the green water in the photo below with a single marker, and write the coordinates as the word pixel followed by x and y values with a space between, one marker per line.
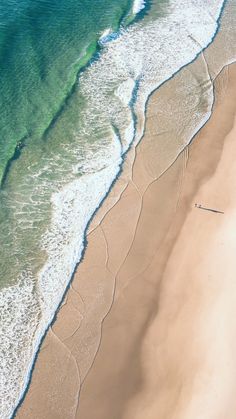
pixel 43 45
pixel 52 121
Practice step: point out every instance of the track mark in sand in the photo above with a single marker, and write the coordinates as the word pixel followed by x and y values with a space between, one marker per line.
pixel 80 297
pixel 185 154
pixel 132 278
pixel 131 245
pixel 69 352
pixel 136 187
pixel 107 212
pixel 100 338
pixel 185 157
pixel 113 293
pixel 73 358
pixel 129 181
pixel 107 248
pixel 181 180
pixel 134 236
pixel 141 196
pixel 74 306
pixel 204 59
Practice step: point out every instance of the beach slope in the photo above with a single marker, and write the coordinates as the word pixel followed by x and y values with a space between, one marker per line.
pixel 169 335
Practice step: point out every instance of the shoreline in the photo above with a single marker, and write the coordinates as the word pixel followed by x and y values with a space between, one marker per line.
pixel 104 374
pixel 91 230
pixel 92 395
pixel 55 315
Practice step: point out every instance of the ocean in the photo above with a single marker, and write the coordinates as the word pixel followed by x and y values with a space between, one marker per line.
pixel 75 77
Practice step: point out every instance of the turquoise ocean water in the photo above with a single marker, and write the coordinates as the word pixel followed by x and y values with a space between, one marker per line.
pixel 74 79
pixel 43 45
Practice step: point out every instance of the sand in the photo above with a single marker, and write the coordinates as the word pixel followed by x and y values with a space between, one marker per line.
pixel 168 345
pixel 157 279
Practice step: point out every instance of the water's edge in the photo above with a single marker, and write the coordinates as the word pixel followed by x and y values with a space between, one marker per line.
pixel 123 157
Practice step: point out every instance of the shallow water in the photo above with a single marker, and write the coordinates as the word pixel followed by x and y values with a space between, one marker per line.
pixel 72 134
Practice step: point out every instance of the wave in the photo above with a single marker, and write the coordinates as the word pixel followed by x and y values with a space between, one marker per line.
pixel 138 5
pixel 117 87
pixel 34 57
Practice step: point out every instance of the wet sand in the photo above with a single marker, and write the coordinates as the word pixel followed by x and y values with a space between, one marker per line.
pixel 157 279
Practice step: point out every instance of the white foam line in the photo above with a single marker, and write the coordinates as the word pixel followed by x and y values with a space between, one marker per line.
pixel 105 36
pixel 138 6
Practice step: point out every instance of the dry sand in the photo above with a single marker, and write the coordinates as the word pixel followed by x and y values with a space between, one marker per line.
pixel 162 272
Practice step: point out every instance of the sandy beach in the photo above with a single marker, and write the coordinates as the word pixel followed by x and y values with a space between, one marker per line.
pixel 168 345
pixel 155 296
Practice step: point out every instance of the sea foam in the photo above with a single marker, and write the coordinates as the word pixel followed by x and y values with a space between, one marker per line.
pixel 138 6
pixel 143 55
